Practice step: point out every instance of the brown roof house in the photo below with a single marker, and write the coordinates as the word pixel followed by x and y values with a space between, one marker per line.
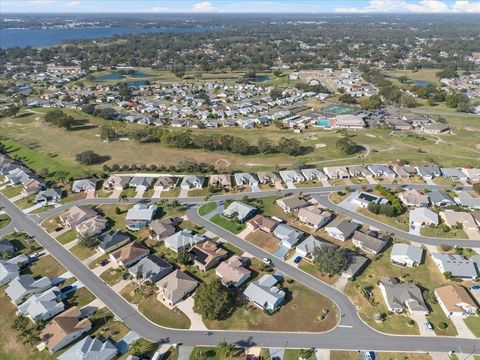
pixel 232 272
pixel 64 329
pixel 129 254
pixel 262 222
pixel 207 255
pixel 221 180
pixel 84 220
pixel 314 217
pixel 291 203
pixel 175 287
pixel 455 301
pixel 116 182
pixel 161 229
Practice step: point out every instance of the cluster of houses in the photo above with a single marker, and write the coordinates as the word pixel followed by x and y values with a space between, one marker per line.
pixel 15 174
pixel 417 122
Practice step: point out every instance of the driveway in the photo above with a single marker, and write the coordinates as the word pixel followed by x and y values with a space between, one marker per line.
pixel 462 328
pixel 322 354
pixel 184 352
pixel 184 193
pixel 33 208
pixel 341 283
pixel 186 306
pixel 473 234
pixel 157 193
pixel 349 204
pixel 115 194
pixel 255 188
pixel 140 192
pixel 420 320
pixel 276 353
pixel 290 185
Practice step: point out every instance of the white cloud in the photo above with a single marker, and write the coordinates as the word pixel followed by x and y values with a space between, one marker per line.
pixel 72 3
pixel 42 2
pixel 406 6
pixel 204 6
pixel 159 9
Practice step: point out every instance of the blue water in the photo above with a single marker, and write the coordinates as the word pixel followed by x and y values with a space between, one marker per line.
pixel 46 37
pixel 109 77
pixel 322 123
pixel 262 78
pixel 115 75
pixel 421 82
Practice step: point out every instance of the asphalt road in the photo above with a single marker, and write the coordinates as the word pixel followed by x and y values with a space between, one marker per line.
pixel 350 334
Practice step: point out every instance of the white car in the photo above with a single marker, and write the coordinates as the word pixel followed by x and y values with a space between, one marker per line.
pixel 267 261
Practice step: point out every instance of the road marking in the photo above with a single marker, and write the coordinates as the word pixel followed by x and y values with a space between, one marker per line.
pixel 345 326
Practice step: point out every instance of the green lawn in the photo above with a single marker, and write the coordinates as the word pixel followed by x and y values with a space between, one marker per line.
pixel 25 202
pixel 227 224
pixel 23 242
pixel 46 266
pixel 207 208
pixel 214 353
pixel 80 298
pixel 154 310
pixel 11 191
pixel 473 323
pixel 4 220
pixel 294 354
pixel 112 276
pixel 82 252
pixel 438 232
pixel 146 348
pixel 436 317
pixel 104 325
pixel 67 237
pixel 399 222
pixel 174 192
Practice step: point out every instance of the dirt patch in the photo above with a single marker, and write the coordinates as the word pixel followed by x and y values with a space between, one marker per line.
pixel 371 135
pixel 320 145
pixel 477 146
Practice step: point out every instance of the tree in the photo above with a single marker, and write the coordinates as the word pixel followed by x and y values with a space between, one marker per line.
pixel 371 103
pixel 88 109
pixel 106 113
pixel 276 93
pixel 347 146
pixel 330 260
pixel 476 187
pixel 88 241
pixel 213 300
pixel 88 157
pixel 11 111
pixel 408 101
pixel 183 257
pixel 347 99
pixel 227 349
pixel 136 348
pixel 59 118
pixel 373 207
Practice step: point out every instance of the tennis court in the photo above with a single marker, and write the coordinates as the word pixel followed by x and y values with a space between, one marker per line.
pixel 337 109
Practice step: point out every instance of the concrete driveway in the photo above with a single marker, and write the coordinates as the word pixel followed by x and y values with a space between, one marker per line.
pixel 186 306
pixel 115 194
pixel 420 319
pixel 462 328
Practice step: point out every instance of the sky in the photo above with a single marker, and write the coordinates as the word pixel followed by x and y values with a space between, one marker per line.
pixel 240 6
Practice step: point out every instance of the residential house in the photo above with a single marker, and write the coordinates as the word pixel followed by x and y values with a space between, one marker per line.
pixel 165 183
pixel 370 242
pixel 349 121
pixel 64 329
pixel 359 171
pixel 314 174
pixel 454 218
pixel 150 268
pixel 435 128
pixel 291 176
pixel 363 199
pixel 112 240
pixel 43 306
pixel 308 246
pixel 314 217
pixel 192 182
pixel 472 174
pixel 141 182
pixel 262 222
pixel 140 215
pixel 455 300
pixel 465 200
pixel 84 185
pixel 428 172
pixel 355 265
pixel 456 265
pixel 264 293
pixel 128 254
pixel 8 272
pixel 341 229
pixel 6 248
pixel 117 182
pixel 207 255
pixel 90 348
pixel 232 272
pixel 413 197
pixel 383 171
pixel 404 171
pixel 183 240
pixel 439 198
pixel 423 217
pixel 223 180
pixel 287 235
pixel 401 297
pixel 406 255
pixel 245 179
pixel 239 210
pixel 76 215
pixel 269 178
pixel 175 287
pixel 161 229
pixel 337 172
pixel 92 226
pixel 454 174
pixel 48 196
pixel 24 286
pixel 291 203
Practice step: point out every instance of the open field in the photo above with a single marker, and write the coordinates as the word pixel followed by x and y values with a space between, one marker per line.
pixel 28 138
pixel 4 220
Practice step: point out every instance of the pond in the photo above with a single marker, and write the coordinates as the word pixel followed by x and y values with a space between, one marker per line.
pixel 421 82
pixel 115 75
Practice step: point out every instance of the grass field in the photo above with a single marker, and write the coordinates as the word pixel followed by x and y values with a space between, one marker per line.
pixel 67 237
pixel 80 298
pixel 473 323
pixel 207 208
pixel 227 224
pixel 46 266
pixel 4 220
pixel 28 138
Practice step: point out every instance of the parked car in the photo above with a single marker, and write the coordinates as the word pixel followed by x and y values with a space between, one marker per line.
pixel 297 259
pixel 104 262
pixel 368 355
pixel 428 325
pixel 475 287
pixel 68 288
pixel 267 261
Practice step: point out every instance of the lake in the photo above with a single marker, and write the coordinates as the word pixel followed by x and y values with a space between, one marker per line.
pixel 47 37
pixel 115 75
pixel 421 82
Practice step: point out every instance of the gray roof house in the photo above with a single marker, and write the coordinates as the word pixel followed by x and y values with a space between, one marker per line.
pixel 406 255
pixel 402 297
pixel 341 229
pixel 264 293
pixel 192 181
pixel 428 172
pixel 355 265
pixel 90 348
pixel 382 171
pixel 83 185
pixel 370 243
pixel 291 203
pixel 336 172
pixel 288 235
pixel 140 215
pixel 23 286
pixel 183 240
pixel 464 199
pixel 359 171
pixel 268 178
pixel 239 210
pixel 164 183
pixel 314 174
pixel 161 229
pixel 457 265
pixel 308 246
pixel 245 179
pixel 151 268
pixel 453 173
pixel 439 198
pixel 112 240
pixel 291 176
pixel 423 217
pixel 8 272
pixel 48 196
pixel 175 287
pixel 43 306
pixel 140 182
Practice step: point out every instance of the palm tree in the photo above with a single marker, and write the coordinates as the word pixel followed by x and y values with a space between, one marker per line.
pixel 228 350
pixel 135 348
pixel 123 197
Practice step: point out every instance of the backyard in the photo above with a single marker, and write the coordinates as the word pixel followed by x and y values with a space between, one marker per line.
pixel 227 224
